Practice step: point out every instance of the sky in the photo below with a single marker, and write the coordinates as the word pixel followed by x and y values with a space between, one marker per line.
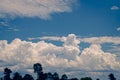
pixel 82 35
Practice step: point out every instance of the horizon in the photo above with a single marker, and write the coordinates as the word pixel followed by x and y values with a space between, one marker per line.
pixel 39 74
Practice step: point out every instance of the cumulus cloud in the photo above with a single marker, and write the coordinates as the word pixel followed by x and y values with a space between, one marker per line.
pixel 21 55
pixel 114 8
pixel 97 59
pixel 34 8
pixel 70 40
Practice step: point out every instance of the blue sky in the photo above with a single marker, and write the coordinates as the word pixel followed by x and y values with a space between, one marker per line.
pixel 86 27
pixel 87 18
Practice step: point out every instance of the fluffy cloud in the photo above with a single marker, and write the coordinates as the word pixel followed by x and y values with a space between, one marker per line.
pixel 70 40
pixel 114 8
pixel 34 8
pixel 21 55
pixel 97 59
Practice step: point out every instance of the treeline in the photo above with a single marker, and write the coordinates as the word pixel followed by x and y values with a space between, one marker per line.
pixel 43 76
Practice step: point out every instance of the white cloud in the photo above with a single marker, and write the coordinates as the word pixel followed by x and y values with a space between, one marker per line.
pixel 34 8
pixel 97 59
pixel 70 40
pixel 114 8
pixel 91 40
pixel 101 40
pixel 21 55
pixel 115 49
pixel 118 29
pixel 50 38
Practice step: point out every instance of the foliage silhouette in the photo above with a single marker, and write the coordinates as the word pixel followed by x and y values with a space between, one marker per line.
pixel 49 76
pixel 43 76
pixel 74 79
pixel 7 74
pixel 111 76
pixel 64 77
pixel 38 69
pixel 86 78
pixel 55 76
pixel 28 77
pixel 97 79
pixel 17 76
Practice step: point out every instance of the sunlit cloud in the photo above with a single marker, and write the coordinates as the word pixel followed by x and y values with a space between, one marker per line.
pixel 25 53
pixel 34 8
pixel 91 40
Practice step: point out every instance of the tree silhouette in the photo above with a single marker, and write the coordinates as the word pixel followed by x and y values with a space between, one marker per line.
pixel 97 79
pixel 17 76
pixel 7 74
pixel 49 76
pixel 55 76
pixel 28 77
pixel 64 77
pixel 38 69
pixel 86 78
pixel 1 79
pixel 111 76
pixel 74 79
pixel 44 76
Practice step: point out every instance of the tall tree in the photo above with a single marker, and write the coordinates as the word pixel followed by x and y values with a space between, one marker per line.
pixel 7 74
pixel 38 69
